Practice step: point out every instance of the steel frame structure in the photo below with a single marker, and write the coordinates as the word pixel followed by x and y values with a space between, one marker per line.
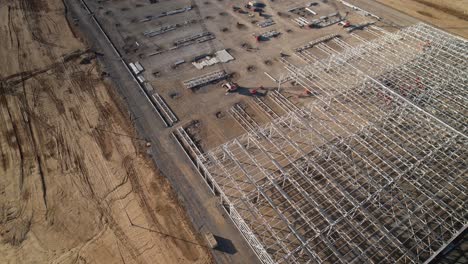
pixel 373 170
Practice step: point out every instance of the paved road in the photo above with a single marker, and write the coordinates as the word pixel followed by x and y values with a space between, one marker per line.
pixel 200 204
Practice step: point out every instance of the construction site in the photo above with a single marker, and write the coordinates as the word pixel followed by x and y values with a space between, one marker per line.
pixel 291 131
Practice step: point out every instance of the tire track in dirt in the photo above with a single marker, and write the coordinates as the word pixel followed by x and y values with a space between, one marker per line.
pixel 39 162
pixel 14 33
pixel 10 24
pixel 56 104
pixel 22 76
pixel 150 215
pixel 104 210
pixel 450 11
pixel 32 135
pixel 18 139
pixel 30 9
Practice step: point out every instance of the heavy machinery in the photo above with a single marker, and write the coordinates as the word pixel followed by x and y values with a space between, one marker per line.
pixel 345 24
pixel 211 239
pixel 230 86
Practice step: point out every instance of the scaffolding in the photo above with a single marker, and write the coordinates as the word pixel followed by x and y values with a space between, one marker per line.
pixel 373 170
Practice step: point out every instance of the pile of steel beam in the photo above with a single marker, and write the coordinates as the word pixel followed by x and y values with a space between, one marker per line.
pixel 205 79
pixel 165 29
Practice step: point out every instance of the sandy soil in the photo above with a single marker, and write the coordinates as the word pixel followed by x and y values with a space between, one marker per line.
pixel 75 185
pixel 450 15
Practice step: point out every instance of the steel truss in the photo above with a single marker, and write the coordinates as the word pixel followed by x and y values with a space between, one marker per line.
pixel 373 170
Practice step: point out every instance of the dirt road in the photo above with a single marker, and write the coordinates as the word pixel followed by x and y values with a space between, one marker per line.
pixel 451 16
pixel 76 184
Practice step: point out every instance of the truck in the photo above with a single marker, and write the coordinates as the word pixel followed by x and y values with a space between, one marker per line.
pixel 345 24
pixel 211 239
pixel 230 87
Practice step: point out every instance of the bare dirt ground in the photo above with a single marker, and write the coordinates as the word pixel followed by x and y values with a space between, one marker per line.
pixel 75 183
pixel 450 15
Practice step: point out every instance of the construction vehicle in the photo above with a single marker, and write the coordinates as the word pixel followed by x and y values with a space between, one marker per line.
pixel 345 24
pixel 230 87
pixel 211 239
